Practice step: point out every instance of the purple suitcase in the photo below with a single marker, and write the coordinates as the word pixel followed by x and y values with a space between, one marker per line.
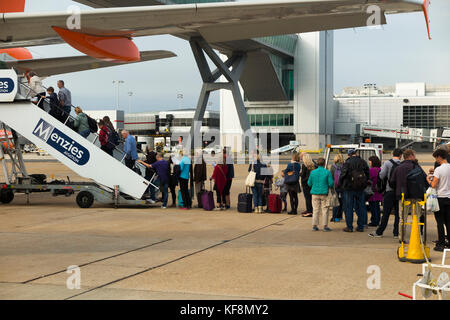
pixel 207 199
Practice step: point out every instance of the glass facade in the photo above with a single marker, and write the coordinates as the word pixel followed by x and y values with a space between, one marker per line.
pixel 286 43
pixel 187 122
pixel 284 70
pixel 271 120
pixel 427 117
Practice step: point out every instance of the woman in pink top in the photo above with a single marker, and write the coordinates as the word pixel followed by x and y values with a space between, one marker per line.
pixel 375 200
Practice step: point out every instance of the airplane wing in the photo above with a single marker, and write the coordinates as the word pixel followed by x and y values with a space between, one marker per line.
pixel 52 66
pixel 215 22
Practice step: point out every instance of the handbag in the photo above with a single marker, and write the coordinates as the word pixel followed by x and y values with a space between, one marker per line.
pixel 332 199
pixel 291 177
pixel 250 181
pixel 432 201
pixel 369 191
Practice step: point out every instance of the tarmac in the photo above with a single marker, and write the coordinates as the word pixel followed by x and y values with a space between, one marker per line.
pixel 151 253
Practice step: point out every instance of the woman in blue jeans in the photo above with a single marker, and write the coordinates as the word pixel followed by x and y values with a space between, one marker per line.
pixel 257 189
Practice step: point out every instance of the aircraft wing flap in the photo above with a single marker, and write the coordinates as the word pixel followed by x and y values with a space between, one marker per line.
pixel 53 66
pixel 216 21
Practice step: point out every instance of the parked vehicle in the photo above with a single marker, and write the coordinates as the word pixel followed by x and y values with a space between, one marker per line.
pixel 365 150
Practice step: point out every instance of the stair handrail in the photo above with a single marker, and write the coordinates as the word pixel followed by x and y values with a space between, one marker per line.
pixel 96 135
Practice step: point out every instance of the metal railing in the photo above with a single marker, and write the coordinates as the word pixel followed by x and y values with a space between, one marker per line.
pixel 29 95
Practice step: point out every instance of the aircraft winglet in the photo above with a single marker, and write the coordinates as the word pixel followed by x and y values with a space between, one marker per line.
pixel 425 7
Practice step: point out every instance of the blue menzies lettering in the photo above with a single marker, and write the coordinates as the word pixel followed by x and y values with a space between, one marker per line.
pixel 6 85
pixel 61 142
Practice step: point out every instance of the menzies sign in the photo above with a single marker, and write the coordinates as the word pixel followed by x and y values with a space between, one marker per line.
pixel 8 85
pixel 61 142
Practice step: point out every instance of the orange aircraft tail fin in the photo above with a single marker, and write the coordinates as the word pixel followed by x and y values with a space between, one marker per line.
pixel 426 11
pixel 12 6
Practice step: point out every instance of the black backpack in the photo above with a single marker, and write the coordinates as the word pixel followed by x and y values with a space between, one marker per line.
pixel 93 127
pixel 359 179
pixel 416 183
pixel 113 138
pixel 382 183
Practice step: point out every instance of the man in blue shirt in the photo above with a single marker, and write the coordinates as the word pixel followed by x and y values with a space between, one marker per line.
pixel 130 149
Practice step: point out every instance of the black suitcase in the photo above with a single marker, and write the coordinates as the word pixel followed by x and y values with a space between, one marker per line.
pixel 245 202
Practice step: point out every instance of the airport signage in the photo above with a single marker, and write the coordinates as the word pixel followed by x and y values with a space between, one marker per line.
pixel 61 142
pixel 8 85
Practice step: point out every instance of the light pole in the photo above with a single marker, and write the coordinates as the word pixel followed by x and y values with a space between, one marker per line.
pixel 370 86
pixel 118 82
pixel 180 98
pixel 130 94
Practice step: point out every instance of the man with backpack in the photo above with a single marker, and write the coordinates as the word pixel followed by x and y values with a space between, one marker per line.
pixel 410 180
pixel 353 180
pixel 389 199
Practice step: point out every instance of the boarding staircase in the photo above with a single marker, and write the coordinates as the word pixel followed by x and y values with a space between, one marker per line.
pixel 82 155
pixel 292 146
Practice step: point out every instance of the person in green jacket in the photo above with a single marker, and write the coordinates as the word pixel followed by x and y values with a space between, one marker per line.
pixel 81 123
pixel 320 180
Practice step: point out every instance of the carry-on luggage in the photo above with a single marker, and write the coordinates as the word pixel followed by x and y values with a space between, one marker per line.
pixel 275 204
pixel 199 195
pixel 245 202
pixel 180 199
pixel 207 199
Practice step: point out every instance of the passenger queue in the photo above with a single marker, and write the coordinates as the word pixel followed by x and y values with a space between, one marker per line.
pixel 344 189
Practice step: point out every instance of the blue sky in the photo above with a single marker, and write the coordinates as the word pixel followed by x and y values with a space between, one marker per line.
pixel 399 52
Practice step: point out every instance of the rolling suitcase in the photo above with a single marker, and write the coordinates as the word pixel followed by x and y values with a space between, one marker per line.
pixel 199 195
pixel 245 202
pixel 180 199
pixel 275 204
pixel 207 199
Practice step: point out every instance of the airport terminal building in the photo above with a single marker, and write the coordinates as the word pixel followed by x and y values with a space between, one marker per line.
pixel 404 105
pixel 295 95
pixel 415 105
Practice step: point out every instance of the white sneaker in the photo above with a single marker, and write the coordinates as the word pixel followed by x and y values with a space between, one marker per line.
pixel 162 207
pixel 150 201
pixel 375 235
